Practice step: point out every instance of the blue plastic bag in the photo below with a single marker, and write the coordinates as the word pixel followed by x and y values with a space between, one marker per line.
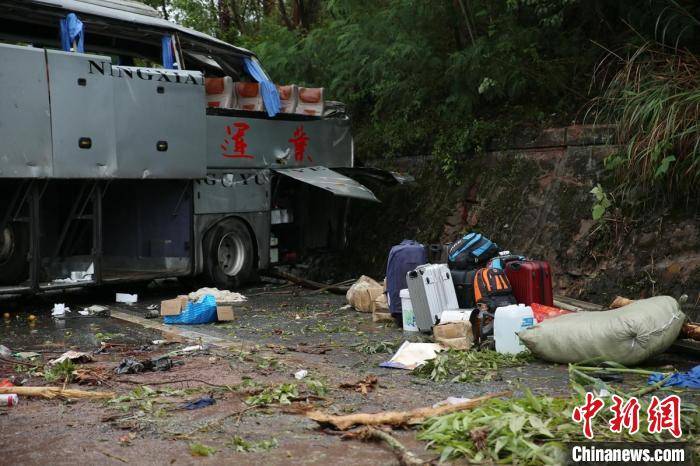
pixel 690 379
pixel 201 312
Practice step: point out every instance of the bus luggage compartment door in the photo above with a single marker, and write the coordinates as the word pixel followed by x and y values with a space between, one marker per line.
pixel 160 118
pixel 25 122
pixel 82 115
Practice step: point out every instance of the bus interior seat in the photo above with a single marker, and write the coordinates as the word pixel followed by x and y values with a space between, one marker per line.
pixel 310 101
pixel 248 97
pixel 219 92
pixel 289 97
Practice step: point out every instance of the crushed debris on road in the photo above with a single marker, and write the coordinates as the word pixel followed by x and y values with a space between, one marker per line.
pixel 228 391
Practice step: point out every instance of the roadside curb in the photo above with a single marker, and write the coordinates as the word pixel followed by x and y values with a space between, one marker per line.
pixel 177 331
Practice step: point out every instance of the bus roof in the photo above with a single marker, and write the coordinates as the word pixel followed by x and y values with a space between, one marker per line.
pixel 133 12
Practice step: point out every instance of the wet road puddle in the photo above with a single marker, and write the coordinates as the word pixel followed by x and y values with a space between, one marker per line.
pixel 24 331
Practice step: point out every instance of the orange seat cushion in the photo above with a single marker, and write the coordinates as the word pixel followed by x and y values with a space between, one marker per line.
pixel 311 95
pixel 214 85
pixel 285 92
pixel 248 89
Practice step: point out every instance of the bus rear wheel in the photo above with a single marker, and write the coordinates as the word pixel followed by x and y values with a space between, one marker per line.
pixel 229 254
pixel 14 248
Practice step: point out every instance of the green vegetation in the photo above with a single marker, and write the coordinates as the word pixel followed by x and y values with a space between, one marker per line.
pixel 530 430
pixel 280 394
pixel 106 336
pixel 199 449
pixel 317 387
pixel 370 347
pixel 63 371
pixel 602 202
pixel 431 85
pixel 519 430
pixel 468 366
pixel 240 444
pixel 444 77
pixel 654 97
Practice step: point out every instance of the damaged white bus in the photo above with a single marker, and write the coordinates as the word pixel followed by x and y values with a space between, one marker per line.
pixel 132 148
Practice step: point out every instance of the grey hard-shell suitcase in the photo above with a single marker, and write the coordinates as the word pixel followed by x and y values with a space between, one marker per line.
pixel 432 291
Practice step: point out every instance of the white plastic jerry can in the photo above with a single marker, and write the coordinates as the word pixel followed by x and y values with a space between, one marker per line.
pixel 507 322
pixel 409 319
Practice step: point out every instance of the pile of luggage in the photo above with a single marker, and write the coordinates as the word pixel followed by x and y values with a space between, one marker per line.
pixel 472 275
pixel 467 291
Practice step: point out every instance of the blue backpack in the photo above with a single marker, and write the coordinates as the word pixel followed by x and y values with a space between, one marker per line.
pixel 501 261
pixel 402 259
pixel 472 251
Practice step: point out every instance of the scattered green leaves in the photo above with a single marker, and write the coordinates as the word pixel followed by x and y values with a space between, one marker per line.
pixel 602 202
pixel 527 430
pixel 106 336
pixel 317 387
pixel 61 371
pixel 372 347
pixel 199 449
pixel 467 366
pixel 514 430
pixel 269 364
pixel 280 394
pixel 242 445
pixel 325 328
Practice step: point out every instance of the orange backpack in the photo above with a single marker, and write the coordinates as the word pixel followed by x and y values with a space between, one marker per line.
pixel 491 287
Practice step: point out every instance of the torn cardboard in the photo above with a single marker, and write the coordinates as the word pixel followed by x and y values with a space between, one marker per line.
pixel 456 335
pixel 224 313
pixel 173 307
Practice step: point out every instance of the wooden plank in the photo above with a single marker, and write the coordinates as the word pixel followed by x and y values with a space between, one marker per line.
pixel 571 304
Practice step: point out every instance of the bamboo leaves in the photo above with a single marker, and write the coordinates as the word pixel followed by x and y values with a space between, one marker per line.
pixel 467 366
pixel 654 97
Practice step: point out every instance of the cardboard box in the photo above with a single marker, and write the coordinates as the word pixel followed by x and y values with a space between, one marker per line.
pixel 173 307
pixel 456 335
pixel 224 313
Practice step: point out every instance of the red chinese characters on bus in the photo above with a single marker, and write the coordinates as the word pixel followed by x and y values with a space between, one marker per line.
pixel 665 415
pixel 300 141
pixel 234 145
pixel 625 415
pixel 587 412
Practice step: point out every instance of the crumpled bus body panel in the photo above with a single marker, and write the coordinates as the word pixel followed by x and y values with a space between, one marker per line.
pixel 68 115
pixel 250 140
pixel 25 116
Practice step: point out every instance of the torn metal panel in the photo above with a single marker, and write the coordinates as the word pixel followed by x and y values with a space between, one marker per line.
pixel 384 177
pixel 332 181
pixel 25 121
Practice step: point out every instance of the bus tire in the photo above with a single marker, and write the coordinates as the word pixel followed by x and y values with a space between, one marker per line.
pixel 229 254
pixel 14 250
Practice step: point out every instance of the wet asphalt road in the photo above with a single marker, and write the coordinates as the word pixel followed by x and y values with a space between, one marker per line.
pixel 282 329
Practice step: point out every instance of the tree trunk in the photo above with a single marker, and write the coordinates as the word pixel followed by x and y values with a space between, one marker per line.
pixel 304 13
pixel 268 6
pixel 296 12
pixel 467 21
pixel 224 15
pixel 236 15
pixel 283 14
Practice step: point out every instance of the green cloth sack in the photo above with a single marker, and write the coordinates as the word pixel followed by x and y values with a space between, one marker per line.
pixel 627 335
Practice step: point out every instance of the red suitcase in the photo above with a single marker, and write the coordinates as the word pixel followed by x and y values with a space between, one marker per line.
pixel 531 282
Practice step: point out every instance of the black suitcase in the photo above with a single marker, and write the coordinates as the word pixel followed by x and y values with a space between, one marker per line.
pixel 464 287
pixel 437 253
